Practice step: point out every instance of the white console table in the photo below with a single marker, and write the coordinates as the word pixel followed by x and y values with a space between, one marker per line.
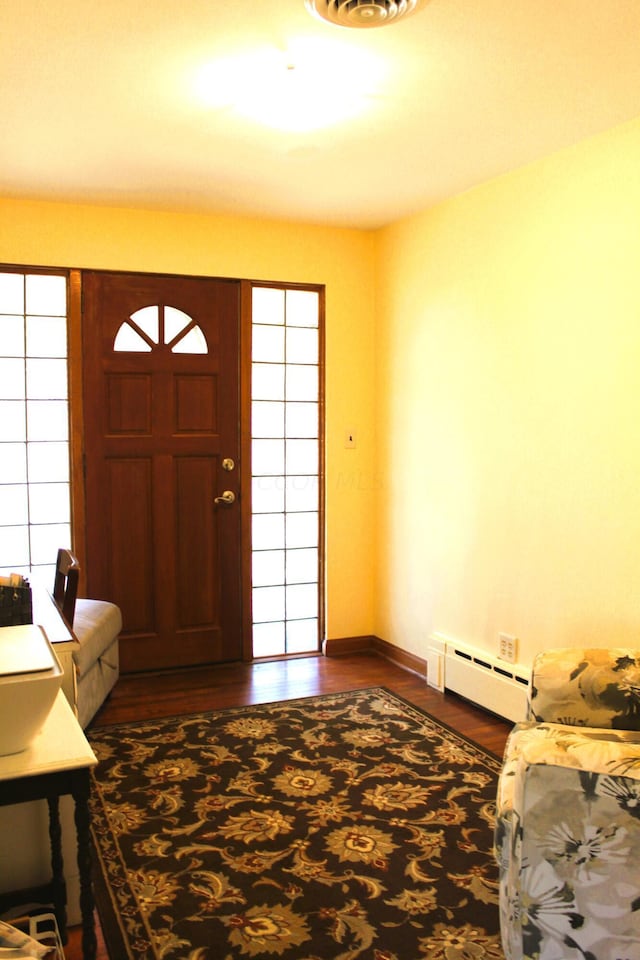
pixel 57 763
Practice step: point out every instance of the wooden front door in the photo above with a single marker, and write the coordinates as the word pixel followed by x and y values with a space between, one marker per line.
pixel 162 441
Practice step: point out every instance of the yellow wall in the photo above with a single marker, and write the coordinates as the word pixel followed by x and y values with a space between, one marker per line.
pixel 98 237
pixel 508 408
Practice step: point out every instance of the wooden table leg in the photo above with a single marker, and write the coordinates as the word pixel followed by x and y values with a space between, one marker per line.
pixel 82 820
pixel 58 885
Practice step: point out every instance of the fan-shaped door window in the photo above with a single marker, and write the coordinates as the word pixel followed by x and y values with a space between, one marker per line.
pixel 155 325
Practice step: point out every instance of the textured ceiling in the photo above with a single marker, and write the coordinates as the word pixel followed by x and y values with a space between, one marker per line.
pixel 102 103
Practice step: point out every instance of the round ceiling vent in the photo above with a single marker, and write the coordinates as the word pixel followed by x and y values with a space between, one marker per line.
pixel 363 13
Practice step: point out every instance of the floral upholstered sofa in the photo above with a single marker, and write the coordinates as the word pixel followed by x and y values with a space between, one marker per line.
pixel 567 836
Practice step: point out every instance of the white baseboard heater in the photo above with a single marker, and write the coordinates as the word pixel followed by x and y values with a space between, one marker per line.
pixel 494 684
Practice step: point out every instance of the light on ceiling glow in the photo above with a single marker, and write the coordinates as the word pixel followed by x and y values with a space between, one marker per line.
pixel 308 86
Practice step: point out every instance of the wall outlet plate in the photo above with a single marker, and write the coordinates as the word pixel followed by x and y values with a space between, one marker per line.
pixel 507 647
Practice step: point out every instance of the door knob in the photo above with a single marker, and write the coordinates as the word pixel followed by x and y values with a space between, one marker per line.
pixel 228 464
pixel 227 497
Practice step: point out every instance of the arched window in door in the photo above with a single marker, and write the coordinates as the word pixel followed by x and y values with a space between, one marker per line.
pixel 155 325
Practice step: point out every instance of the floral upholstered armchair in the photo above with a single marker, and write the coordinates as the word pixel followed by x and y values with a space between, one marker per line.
pixel 567 836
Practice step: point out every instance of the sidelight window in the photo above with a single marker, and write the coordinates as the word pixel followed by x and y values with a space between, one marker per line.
pixel 35 515
pixel 286 455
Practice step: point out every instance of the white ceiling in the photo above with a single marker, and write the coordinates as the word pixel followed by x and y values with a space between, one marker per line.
pixel 100 103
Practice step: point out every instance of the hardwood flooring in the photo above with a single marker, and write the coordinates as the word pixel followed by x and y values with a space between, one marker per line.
pixel 187 691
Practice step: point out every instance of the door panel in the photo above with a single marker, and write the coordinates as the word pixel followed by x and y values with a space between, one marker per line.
pixel 159 419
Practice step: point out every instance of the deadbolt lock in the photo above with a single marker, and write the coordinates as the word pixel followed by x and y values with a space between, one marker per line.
pixel 228 464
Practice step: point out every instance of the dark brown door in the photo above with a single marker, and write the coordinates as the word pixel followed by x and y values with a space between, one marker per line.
pixel 161 406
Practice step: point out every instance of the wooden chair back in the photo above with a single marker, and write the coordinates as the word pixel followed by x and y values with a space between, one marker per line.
pixel 65 586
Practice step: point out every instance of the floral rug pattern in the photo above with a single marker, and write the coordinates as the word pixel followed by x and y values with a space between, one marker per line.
pixel 349 826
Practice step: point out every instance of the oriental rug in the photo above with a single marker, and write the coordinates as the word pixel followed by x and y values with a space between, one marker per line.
pixel 350 826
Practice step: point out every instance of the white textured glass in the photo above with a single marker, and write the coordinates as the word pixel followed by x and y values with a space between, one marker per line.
pixel 301 493
pixel 49 503
pixel 47 379
pixel 267 305
pixel 12 423
pixel 46 295
pixel 12 382
pixel 268 531
pixel 12 336
pixel 302 456
pixel 267 568
pixel 15 545
pixel 129 340
pixel 302 601
pixel 302 566
pixel 301 530
pixel 43 575
pixel 193 342
pixel 303 308
pixel 46 539
pixel 302 346
pixel 46 337
pixel 302 420
pixel 267 381
pixel 268 639
pixel 13 465
pixel 11 293
pixel 267 495
pixel 47 420
pixel 48 462
pixel 267 419
pixel 267 457
pixel 14 507
pixel 302 635
pixel 267 344
pixel 268 603
pixel 302 382
pixel 148 319
pixel 174 321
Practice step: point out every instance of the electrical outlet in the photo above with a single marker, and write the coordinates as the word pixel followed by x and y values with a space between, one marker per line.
pixel 507 647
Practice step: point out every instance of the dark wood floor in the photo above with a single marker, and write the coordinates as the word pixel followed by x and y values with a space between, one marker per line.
pixel 186 691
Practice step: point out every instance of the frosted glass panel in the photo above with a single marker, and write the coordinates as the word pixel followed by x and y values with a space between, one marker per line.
pixel 268 344
pixel 47 379
pixel 12 422
pixel 267 381
pixel 13 464
pixel 268 639
pixel 302 601
pixel 48 462
pixel 267 457
pixel 12 336
pixel 302 420
pixel 46 337
pixel 302 566
pixel 11 293
pixel 302 382
pixel 302 346
pixel 267 305
pixel 302 530
pixel 267 419
pixel 15 546
pixel 13 504
pixel 45 541
pixel 301 494
pixel 49 503
pixel 268 603
pixel 267 495
pixel 47 419
pixel 12 374
pixel 302 635
pixel 148 319
pixel 302 308
pixel 192 342
pixel 268 531
pixel 174 321
pixel 129 340
pixel 268 568
pixel 302 456
pixel 46 295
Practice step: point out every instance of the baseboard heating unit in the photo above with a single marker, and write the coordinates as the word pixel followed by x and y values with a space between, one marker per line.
pixel 494 684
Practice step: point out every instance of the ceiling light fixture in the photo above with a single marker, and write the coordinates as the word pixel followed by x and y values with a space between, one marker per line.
pixel 363 13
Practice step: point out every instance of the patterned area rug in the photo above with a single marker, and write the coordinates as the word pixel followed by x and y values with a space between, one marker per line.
pixel 344 826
